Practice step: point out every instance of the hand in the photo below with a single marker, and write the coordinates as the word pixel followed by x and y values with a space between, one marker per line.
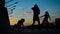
pixel 40 16
pixel 50 19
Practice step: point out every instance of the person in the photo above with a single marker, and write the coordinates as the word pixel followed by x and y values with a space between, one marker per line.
pixel 46 16
pixel 20 23
pixel 36 13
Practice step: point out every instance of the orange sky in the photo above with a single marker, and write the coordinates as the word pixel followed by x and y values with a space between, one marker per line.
pixel 27 21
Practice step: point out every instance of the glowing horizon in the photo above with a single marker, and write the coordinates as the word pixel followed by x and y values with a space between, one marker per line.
pixel 28 21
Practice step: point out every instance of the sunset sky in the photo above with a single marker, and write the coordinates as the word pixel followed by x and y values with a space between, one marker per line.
pixel 23 10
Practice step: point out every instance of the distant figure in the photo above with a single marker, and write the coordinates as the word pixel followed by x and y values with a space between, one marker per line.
pixel 20 23
pixel 46 16
pixel 36 13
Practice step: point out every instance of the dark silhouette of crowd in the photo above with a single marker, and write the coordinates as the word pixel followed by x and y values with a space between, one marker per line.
pixel 36 13
pixel 5 24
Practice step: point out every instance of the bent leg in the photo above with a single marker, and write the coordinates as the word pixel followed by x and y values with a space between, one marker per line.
pixel 47 23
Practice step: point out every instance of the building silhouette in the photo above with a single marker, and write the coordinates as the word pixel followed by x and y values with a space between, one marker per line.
pixel 4 19
pixel 57 22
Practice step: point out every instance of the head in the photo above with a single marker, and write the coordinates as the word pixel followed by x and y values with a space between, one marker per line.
pixel 35 5
pixel 46 12
pixel 22 20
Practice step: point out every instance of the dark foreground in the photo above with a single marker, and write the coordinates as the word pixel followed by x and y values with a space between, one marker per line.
pixel 35 31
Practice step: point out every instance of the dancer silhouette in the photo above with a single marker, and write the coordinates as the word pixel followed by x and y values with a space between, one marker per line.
pixel 20 23
pixel 36 13
pixel 45 20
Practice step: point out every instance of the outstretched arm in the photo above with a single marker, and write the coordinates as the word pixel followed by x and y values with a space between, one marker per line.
pixel 42 16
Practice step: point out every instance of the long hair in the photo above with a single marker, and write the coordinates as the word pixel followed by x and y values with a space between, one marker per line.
pixel 47 14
